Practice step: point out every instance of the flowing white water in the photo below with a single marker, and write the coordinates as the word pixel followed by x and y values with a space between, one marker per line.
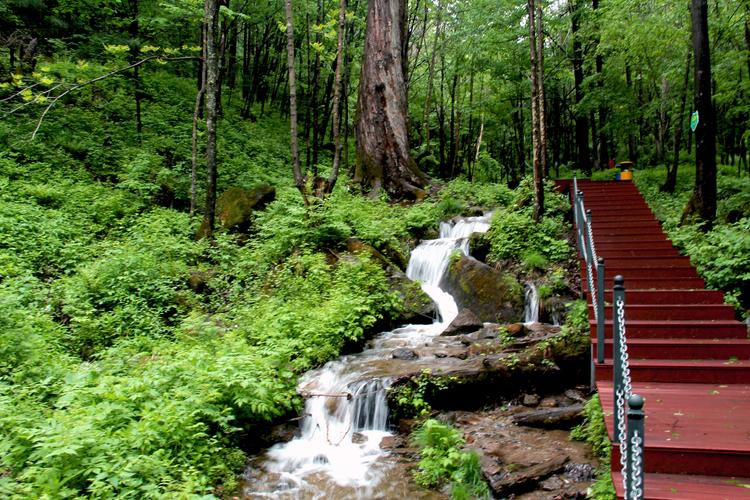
pixel 531 304
pixel 346 413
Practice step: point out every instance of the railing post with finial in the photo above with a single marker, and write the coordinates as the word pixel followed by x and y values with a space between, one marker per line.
pixel 636 447
pixel 600 306
pixel 618 296
pixel 581 226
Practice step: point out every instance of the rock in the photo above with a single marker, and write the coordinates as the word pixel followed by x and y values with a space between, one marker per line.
pixel 525 479
pixel 235 205
pixel 490 294
pixel 465 322
pixel 387 442
pixel 417 307
pixel 358 438
pixel 405 354
pixel 579 473
pixel 530 400
pixel 575 395
pixel 515 329
pixel 553 483
pixel 551 418
pixel 489 331
pixel 441 355
pixel 198 280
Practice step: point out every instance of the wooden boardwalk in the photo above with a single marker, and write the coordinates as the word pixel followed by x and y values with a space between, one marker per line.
pixel 689 356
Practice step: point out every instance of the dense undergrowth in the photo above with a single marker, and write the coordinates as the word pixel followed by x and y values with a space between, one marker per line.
pixel 721 255
pixel 136 361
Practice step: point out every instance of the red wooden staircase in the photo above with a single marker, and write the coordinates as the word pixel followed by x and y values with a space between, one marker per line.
pixel 689 356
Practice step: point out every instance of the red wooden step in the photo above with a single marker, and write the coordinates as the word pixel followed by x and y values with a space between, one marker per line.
pixel 700 429
pixel 686 283
pixel 648 262
pixel 672 311
pixel 684 371
pixel 638 252
pixel 630 274
pixel 723 349
pixel 684 487
pixel 671 296
pixel 632 232
pixel 629 244
pixel 679 329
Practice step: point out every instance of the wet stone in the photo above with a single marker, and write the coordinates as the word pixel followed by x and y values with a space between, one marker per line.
pixel 405 354
pixel 553 483
pixel 579 473
pixel 531 400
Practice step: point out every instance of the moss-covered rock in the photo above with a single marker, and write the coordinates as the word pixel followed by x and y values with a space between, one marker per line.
pixel 236 205
pixel 492 295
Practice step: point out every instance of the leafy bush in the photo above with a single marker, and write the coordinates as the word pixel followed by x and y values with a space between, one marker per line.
pixel 443 461
pixel 594 432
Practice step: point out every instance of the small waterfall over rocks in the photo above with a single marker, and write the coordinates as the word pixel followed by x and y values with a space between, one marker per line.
pixel 346 412
pixel 531 304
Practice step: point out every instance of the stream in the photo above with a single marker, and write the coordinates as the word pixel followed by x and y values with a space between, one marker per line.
pixel 338 452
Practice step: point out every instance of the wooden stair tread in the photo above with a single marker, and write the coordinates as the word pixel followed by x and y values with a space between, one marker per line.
pixel 685 487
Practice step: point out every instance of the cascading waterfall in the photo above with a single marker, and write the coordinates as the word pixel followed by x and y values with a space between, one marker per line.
pixel 531 304
pixel 346 412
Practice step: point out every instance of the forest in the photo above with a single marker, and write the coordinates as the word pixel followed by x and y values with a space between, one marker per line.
pixel 147 339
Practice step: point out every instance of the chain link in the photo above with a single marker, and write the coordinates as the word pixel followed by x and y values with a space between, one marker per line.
pixel 636 492
pixel 592 291
pixel 623 394
pixel 591 241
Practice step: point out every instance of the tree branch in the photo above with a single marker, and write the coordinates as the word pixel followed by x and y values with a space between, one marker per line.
pixel 102 77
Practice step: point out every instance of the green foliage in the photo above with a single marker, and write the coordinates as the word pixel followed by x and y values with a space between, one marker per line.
pixel 532 260
pixel 594 432
pixel 411 399
pixel 443 461
pixel 722 255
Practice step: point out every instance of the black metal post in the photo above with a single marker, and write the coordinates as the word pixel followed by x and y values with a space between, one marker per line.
pixel 600 313
pixel 618 295
pixel 636 448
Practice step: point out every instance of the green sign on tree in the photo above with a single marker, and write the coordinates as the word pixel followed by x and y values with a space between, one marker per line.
pixel 694 121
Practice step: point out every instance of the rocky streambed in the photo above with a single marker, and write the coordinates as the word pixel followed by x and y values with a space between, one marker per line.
pixel 513 389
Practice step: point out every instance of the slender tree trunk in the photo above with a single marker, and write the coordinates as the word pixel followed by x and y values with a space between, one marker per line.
pixel 135 53
pixel 542 104
pixel 383 157
pixel 703 201
pixel 536 47
pixel 211 23
pixel 337 98
pixel 671 181
pixel 299 181
pixel 196 117
pixel 632 151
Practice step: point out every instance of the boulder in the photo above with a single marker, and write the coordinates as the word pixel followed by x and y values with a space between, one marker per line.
pixel 417 307
pixel 465 322
pixel 405 354
pixel 491 294
pixel 551 418
pixel 235 206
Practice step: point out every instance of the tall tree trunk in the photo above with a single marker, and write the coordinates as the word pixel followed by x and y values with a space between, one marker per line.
pixel 383 157
pixel 135 53
pixel 671 181
pixel 582 126
pixel 211 24
pixel 299 181
pixel 603 151
pixel 536 47
pixel 703 201
pixel 196 117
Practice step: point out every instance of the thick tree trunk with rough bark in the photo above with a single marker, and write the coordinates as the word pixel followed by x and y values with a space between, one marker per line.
pixel 703 201
pixel 383 157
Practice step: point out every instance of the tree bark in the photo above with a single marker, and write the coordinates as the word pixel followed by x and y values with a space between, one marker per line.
pixel 431 76
pixel 299 181
pixel 536 46
pixel 703 201
pixel 211 23
pixel 383 157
